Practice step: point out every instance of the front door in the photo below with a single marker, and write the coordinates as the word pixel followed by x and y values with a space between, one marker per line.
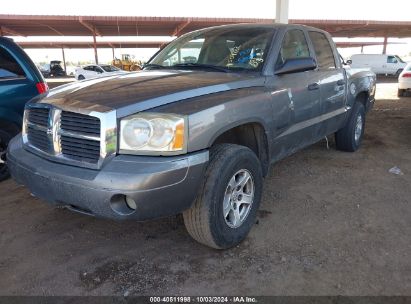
pixel 392 65
pixel 296 99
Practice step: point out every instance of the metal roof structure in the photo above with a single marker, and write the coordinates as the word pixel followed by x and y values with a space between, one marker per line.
pixel 25 25
pixel 57 25
pixel 361 28
pixel 146 44
pixel 86 44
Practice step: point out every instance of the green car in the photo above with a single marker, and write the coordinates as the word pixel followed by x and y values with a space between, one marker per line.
pixel 20 81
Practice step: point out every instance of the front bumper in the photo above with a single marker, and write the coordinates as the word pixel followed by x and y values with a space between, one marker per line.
pixel 160 186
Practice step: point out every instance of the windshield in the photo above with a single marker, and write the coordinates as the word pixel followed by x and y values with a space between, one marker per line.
pixel 227 48
pixel 109 68
pixel 399 59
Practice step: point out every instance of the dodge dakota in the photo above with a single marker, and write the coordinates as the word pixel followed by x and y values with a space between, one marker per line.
pixel 195 131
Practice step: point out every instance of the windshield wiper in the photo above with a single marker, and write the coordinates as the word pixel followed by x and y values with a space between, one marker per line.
pixel 201 66
pixel 155 66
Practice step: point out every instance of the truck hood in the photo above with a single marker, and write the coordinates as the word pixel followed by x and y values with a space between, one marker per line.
pixel 139 91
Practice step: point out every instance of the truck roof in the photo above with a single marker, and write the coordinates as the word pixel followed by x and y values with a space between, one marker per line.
pixel 265 25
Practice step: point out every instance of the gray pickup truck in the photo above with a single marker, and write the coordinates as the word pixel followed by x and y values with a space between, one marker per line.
pixel 196 131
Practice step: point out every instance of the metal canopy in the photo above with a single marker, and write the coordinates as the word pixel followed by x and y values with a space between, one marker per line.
pixel 35 25
pixel 361 28
pixel 85 44
pixel 148 44
pixel 108 25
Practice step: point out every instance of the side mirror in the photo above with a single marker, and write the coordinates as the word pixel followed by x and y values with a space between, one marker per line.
pixel 349 62
pixel 297 65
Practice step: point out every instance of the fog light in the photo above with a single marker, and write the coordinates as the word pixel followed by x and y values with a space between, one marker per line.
pixel 131 203
pixel 122 204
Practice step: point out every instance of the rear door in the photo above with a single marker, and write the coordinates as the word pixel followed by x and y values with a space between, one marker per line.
pixel 332 79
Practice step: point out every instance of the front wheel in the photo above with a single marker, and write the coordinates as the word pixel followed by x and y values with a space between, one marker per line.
pixel 349 138
pixel 226 207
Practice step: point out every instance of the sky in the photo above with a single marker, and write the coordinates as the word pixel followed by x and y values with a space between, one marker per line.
pixel 393 10
pixel 299 9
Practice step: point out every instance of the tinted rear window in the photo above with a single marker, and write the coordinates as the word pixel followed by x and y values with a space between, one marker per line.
pixel 323 50
pixel 9 68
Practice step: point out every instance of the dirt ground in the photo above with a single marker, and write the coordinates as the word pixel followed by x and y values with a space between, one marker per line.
pixel 331 223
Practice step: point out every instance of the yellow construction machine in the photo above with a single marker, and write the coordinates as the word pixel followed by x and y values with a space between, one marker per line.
pixel 127 63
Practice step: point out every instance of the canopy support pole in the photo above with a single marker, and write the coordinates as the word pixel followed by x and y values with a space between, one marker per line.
pixel 64 60
pixel 281 12
pixel 95 48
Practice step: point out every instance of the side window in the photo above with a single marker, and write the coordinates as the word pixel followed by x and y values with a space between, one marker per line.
pixel 98 69
pixel 88 68
pixel 294 46
pixel 323 51
pixel 9 68
pixel 392 59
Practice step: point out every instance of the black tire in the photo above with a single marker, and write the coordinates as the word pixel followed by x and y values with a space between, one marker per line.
pixel 345 138
pixel 7 132
pixel 205 220
pixel 81 77
pixel 400 92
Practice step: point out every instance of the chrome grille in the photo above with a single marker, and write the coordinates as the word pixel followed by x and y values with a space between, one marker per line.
pixel 62 135
pixel 39 116
pixel 80 136
pixel 80 123
pixel 38 120
pixel 39 139
pixel 80 149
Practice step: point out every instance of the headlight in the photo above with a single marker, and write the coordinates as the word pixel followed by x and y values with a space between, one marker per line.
pixel 153 133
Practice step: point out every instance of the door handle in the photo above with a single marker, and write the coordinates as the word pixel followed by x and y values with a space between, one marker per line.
pixel 313 86
pixel 341 82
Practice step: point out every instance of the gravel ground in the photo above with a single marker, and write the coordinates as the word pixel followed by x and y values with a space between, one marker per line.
pixel 331 223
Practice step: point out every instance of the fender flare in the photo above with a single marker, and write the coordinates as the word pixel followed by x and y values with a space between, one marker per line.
pixel 238 123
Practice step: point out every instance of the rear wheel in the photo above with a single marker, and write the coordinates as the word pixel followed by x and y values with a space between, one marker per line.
pixel 349 138
pixel 400 92
pixel 226 206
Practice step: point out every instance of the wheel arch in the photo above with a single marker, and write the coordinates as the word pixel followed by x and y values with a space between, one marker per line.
pixel 362 97
pixel 251 134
